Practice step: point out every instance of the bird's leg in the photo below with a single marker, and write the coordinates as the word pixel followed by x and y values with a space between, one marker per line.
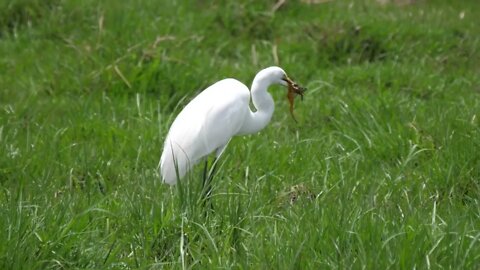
pixel 207 183
pixel 212 172
pixel 205 174
pixel 207 186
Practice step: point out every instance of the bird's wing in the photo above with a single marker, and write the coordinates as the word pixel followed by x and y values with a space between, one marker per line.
pixel 206 124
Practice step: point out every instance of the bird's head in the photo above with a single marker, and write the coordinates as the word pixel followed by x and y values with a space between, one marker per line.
pixel 279 76
pixel 276 75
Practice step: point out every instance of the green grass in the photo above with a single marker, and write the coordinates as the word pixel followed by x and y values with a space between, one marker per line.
pixel 388 136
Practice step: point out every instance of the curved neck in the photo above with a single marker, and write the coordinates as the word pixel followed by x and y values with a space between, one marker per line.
pixel 263 102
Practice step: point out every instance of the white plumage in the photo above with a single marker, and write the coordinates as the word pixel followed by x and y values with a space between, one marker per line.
pixel 212 118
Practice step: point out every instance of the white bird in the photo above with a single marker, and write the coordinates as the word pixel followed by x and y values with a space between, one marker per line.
pixel 217 114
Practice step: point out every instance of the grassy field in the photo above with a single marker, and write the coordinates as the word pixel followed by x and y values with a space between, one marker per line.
pixel 382 170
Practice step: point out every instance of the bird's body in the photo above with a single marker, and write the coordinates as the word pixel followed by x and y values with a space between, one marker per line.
pixel 212 118
pixel 212 134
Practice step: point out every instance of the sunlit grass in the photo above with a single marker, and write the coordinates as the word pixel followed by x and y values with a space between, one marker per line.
pixel 385 152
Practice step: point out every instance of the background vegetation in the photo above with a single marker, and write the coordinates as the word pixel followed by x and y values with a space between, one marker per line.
pixel 382 170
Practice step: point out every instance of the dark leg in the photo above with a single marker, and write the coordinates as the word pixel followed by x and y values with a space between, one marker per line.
pixel 212 172
pixel 205 175
pixel 207 183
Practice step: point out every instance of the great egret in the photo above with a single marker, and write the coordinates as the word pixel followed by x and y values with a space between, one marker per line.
pixel 217 114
